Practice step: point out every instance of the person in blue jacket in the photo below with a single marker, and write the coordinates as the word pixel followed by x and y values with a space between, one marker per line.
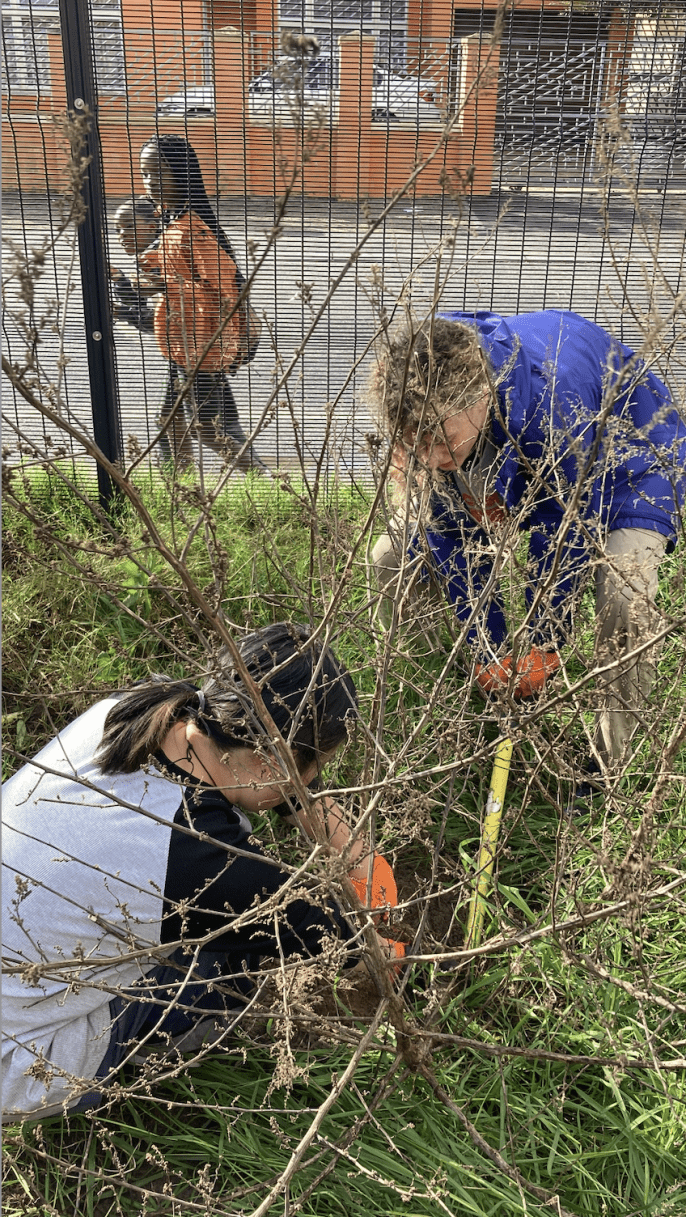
pixel 547 418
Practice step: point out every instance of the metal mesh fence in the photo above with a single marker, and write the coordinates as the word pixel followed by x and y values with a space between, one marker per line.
pixel 558 182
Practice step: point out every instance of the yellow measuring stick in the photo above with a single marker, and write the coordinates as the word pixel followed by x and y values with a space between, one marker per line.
pixel 489 841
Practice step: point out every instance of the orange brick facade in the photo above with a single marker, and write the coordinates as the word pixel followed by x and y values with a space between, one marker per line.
pixel 355 158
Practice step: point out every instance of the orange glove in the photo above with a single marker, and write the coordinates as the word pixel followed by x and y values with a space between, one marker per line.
pixel 531 674
pixel 384 889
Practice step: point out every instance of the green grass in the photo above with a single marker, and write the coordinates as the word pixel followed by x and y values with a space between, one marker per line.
pixel 608 1140
pixel 604 1142
pixel 61 616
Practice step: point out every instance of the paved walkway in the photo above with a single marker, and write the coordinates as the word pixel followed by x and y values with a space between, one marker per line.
pixel 521 252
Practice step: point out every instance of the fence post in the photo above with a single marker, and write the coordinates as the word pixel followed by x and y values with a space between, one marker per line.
pixel 479 97
pixel 77 46
pixel 353 138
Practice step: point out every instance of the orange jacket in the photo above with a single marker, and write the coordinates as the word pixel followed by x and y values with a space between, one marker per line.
pixel 200 289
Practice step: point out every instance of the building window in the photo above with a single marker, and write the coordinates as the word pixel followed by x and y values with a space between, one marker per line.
pixel 25 26
pixel 328 19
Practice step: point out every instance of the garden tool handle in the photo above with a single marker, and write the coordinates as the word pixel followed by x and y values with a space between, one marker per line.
pixel 489 841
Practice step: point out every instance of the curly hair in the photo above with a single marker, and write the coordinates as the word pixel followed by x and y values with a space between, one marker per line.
pixel 427 372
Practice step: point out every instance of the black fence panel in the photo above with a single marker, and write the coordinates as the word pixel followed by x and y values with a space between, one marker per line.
pixel 557 183
pixel 81 88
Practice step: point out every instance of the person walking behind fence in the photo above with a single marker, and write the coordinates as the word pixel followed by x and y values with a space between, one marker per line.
pixel 546 415
pixel 202 285
pixel 138 229
pixel 136 904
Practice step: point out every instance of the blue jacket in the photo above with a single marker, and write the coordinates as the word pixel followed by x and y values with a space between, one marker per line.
pixel 552 370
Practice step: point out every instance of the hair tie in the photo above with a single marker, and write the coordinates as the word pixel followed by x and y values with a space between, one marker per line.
pixel 206 720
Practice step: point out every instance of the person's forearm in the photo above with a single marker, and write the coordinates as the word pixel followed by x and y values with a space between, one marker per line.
pixel 370 875
pixel 338 833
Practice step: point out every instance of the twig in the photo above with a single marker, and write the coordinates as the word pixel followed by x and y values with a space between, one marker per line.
pixel 492 1154
pixel 336 1090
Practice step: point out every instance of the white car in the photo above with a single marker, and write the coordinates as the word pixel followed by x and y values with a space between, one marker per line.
pixel 395 98
pixel 191 102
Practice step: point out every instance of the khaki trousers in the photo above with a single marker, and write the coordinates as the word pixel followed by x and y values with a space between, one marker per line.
pixel 626 618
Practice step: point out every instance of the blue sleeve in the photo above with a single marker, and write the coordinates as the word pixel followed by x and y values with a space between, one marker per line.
pixel 626 474
pixel 553 594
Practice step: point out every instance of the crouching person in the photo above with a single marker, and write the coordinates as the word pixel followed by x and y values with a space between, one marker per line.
pixel 545 418
pixel 136 906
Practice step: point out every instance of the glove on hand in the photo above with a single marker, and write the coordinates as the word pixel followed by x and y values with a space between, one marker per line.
pixel 532 671
pixel 384 889
pixel 399 951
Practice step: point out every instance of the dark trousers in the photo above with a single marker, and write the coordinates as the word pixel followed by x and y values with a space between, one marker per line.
pixel 164 1006
pixel 209 413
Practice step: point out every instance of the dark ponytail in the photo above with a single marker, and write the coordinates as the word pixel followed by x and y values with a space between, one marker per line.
pixel 136 726
pixel 305 689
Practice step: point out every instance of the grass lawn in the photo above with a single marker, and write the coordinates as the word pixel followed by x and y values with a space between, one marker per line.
pixel 543 1076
